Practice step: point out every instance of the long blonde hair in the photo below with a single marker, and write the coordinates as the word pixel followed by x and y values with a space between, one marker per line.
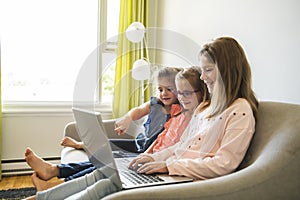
pixel 234 74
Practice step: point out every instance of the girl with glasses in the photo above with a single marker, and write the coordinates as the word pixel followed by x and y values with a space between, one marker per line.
pixel 191 91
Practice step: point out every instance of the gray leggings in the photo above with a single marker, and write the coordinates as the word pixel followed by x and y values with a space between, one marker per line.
pixel 95 185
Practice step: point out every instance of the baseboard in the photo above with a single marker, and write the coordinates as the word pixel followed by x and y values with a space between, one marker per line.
pixel 20 167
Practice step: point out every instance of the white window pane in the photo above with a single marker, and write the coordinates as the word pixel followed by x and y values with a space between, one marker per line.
pixel 44 44
pixel 112 18
pixel 113 10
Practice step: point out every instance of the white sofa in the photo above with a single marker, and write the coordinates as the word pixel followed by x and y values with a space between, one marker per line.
pixel 270 169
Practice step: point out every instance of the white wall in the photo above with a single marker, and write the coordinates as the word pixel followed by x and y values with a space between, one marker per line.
pixel 268 30
pixel 41 132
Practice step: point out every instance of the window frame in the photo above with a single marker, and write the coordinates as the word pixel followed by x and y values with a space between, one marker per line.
pixel 23 107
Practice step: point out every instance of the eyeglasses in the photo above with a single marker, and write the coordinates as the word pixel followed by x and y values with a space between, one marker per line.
pixel 187 94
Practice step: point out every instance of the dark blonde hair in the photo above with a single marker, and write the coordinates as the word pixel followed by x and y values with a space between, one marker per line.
pixel 166 72
pixel 234 71
pixel 192 75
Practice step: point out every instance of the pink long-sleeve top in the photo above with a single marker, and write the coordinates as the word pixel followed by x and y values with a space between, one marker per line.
pixel 211 147
pixel 174 128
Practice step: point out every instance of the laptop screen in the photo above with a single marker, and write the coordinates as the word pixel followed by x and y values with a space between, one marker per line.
pixel 90 126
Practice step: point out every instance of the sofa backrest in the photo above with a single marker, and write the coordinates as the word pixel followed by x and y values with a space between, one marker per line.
pixel 277 130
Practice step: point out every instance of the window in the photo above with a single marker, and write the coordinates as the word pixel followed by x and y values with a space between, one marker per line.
pixel 112 24
pixel 45 43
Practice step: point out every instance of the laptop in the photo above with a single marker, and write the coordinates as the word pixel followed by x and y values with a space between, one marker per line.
pixel 96 144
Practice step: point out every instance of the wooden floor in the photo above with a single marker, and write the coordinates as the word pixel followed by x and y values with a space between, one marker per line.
pixel 11 182
pixel 20 181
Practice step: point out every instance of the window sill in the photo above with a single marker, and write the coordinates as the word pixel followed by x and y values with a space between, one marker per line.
pixel 46 108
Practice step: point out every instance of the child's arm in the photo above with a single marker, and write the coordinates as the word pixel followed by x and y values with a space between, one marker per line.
pixel 150 148
pixel 139 112
pixel 134 114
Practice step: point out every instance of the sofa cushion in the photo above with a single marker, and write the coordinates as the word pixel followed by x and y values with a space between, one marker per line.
pixel 71 155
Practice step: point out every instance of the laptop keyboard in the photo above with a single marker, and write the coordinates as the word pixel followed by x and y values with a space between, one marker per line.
pixel 121 154
pixel 135 177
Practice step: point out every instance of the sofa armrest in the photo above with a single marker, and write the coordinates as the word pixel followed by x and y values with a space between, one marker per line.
pixel 109 126
pixel 71 131
pixel 71 155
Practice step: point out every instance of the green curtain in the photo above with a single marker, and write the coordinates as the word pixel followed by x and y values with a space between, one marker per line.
pixel 127 92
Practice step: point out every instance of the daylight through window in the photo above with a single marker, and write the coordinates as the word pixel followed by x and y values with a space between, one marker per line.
pixel 43 46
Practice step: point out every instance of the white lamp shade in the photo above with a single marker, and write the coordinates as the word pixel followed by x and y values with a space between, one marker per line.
pixel 135 32
pixel 141 70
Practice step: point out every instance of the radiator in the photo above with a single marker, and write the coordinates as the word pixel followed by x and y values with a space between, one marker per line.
pixel 20 167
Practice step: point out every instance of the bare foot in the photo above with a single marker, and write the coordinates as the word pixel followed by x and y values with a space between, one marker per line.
pixel 45 170
pixel 70 142
pixel 42 184
pixel 39 183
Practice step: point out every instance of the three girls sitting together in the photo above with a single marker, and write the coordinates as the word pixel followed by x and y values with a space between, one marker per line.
pixel 207 136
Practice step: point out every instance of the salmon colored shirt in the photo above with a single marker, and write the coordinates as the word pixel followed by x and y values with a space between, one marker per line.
pixel 211 147
pixel 173 129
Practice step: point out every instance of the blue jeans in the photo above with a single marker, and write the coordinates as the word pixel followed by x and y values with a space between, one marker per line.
pixel 71 171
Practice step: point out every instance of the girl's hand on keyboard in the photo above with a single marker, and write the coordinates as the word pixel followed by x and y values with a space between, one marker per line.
pixel 154 167
pixel 138 161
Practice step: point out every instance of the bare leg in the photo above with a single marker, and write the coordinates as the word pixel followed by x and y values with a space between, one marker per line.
pixel 70 142
pixel 42 184
pixel 31 198
pixel 45 170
